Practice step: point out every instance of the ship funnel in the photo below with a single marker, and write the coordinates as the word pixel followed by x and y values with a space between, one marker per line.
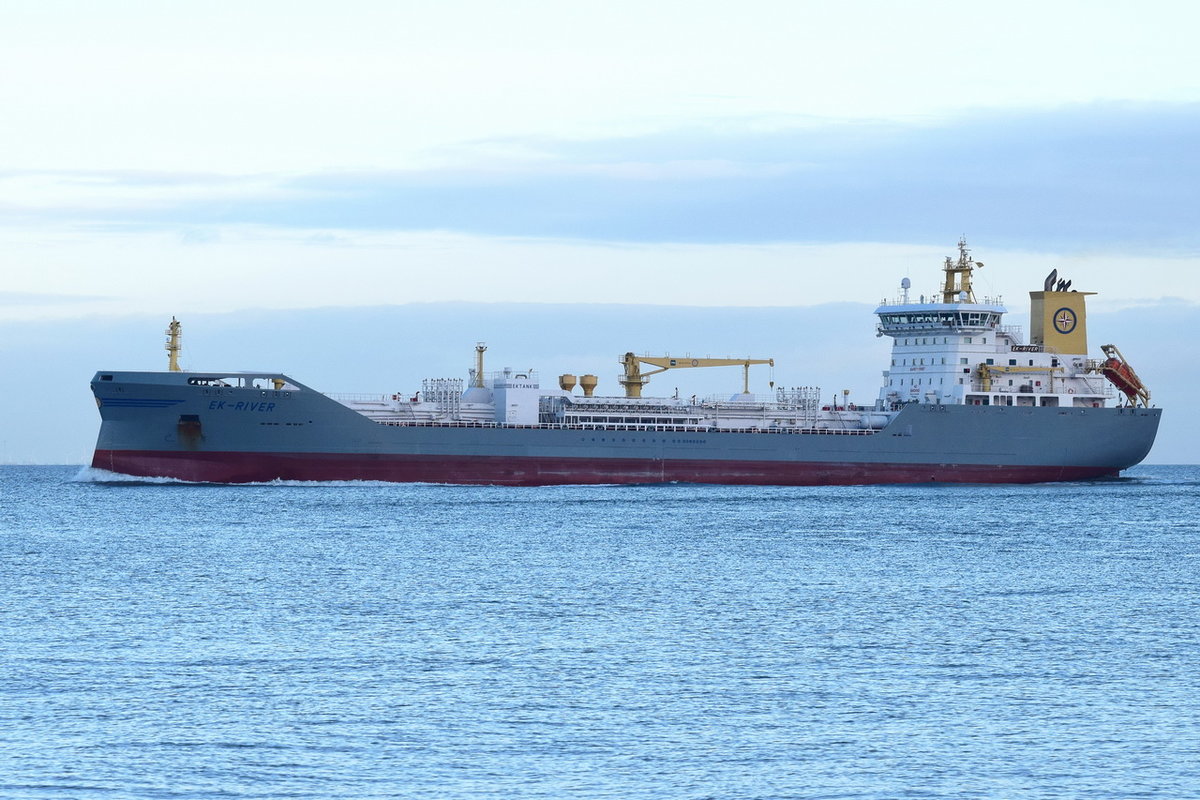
pixel 588 384
pixel 566 382
pixel 1058 318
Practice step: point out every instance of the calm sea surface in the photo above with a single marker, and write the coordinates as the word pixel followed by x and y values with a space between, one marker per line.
pixel 367 640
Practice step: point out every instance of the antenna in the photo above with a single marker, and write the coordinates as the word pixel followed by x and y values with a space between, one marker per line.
pixel 905 285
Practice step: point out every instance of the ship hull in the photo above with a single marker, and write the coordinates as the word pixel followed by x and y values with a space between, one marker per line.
pixel 157 425
pixel 540 471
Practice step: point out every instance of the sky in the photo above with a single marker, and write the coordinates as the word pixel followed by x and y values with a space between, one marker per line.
pixel 172 158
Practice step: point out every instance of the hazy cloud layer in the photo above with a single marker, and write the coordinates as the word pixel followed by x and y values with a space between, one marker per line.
pixel 1106 176
pixel 42 298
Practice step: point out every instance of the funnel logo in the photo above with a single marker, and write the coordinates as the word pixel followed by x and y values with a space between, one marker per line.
pixel 1064 320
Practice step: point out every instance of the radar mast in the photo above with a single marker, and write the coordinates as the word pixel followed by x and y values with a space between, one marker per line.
pixel 958 276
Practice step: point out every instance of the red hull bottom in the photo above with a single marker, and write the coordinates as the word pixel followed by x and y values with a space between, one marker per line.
pixel 231 467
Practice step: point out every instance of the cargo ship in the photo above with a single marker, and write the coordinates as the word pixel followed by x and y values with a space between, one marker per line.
pixel 966 399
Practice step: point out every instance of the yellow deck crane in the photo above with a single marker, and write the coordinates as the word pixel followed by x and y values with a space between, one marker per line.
pixel 989 373
pixel 634 379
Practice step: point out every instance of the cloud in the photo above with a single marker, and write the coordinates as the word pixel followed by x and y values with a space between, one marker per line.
pixel 24 299
pixel 1111 176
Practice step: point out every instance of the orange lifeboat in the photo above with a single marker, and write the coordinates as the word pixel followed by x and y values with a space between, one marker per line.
pixel 1121 375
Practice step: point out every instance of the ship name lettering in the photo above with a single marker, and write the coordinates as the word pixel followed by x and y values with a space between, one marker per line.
pixel 219 405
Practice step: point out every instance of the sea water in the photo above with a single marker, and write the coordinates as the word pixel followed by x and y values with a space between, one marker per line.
pixel 167 640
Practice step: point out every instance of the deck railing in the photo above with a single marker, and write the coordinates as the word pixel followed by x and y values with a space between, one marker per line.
pixel 626 428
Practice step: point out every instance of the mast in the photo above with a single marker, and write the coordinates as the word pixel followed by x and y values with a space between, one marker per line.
pixel 958 275
pixel 174 333
pixel 477 382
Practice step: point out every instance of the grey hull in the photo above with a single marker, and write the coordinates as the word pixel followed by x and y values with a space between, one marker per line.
pixel 157 424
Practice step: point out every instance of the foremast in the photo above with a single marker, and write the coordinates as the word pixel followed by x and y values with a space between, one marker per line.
pixel 173 346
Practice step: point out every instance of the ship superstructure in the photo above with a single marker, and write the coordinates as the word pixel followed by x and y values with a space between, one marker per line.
pixel 959 351
pixel 965 398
